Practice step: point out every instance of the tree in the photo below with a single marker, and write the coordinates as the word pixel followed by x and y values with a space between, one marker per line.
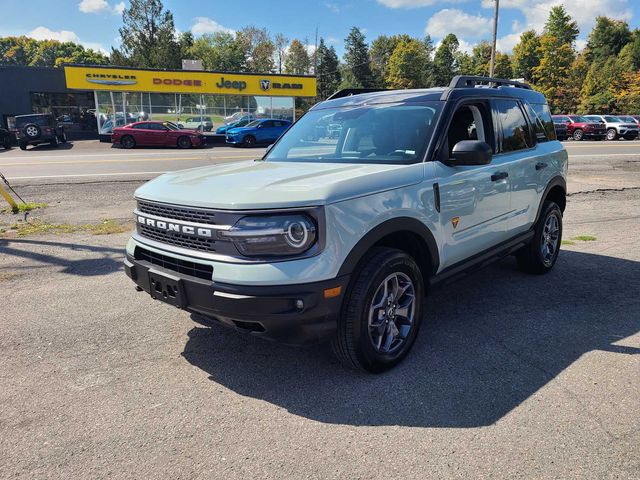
pixel 328 73
pixel 258 49
pixel 444 60
pixel 218 51
pixel 280 44
pixel 552 75
pixel 628 98
pixel 185 42
pixel 298 61
pixel 148 36
pixel 526 55
pixel 407 65
pixel 607 38
pixel 503 67
pixel 356 57
pixel 561 26
pixel 599 89
pixel 381 50
pixel 630 53
pixel 23 51
pixel 464 63
pixel 481 59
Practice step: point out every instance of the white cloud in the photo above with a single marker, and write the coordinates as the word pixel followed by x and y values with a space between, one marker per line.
pixel 208 25
pixel 93 6
pixel 334 7
pixel 458 22
pixel 44 33
pixel 505 44
pixel 118 8
pixel 415 3
pixel 463 45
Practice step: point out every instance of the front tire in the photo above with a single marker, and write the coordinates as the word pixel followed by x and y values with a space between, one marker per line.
pixel 612 134
pixel 381 313
pixel 578 135
pixel 540 254
pixel 249 141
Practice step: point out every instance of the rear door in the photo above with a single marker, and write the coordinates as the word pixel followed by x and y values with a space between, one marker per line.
pixel 475 203
pixel 157 134
pixel 266 132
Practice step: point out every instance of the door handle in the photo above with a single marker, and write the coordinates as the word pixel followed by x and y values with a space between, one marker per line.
pixel 499 176
pixel 540 165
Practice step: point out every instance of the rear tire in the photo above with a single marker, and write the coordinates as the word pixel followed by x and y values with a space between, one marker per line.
pixel 23 146
pixel 54 141
pixel 128 142
pixel 612 134
pixel 540 254
pixel 381 312
pixel 184 142
pixel 578 135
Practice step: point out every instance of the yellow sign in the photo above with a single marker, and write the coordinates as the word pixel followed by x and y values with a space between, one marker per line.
pixel 162 81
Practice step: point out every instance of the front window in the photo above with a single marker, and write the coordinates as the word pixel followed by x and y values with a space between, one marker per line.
pixel 578 119
pixel 612 119
pixel 255 123
pixel 390 133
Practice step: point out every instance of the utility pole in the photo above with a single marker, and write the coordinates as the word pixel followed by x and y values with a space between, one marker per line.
pixel 495 34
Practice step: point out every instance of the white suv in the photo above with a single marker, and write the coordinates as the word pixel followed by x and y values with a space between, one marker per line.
pixel 340 237
pixel 616 127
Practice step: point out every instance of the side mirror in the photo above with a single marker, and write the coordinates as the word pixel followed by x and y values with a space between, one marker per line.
pixel 470 152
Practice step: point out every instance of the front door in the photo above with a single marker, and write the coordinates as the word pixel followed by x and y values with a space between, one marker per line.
pixel 475 201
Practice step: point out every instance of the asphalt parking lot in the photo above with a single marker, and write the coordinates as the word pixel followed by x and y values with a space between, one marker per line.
pixel 512 376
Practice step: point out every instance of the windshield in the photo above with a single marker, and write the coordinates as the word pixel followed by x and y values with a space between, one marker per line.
pixel 578 119
pixel 390 133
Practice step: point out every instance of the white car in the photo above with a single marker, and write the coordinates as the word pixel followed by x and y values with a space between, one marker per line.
pixel 616 127
pixel 203 124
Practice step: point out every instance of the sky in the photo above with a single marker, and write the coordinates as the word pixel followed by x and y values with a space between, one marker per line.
pixel 94 23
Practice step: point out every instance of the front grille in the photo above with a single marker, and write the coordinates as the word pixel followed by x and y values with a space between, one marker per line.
pixel 178 239
pixel 175 265
pixel 186 214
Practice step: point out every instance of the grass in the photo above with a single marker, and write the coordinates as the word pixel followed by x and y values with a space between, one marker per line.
pixel 567 242
pixel 585 238
pixel 36 227
pixel 26 207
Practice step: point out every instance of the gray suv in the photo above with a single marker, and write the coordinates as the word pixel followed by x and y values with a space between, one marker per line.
pixel 37 129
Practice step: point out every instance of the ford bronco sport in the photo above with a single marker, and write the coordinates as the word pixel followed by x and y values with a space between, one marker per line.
pixel 340 237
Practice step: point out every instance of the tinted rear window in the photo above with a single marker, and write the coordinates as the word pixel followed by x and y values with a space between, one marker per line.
pixel 38 120
pixel 543 112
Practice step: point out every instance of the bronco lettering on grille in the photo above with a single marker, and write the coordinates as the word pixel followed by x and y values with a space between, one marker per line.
pixel 175 227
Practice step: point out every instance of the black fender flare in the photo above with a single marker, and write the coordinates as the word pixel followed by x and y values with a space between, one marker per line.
pixel 557 181
pixel 399 224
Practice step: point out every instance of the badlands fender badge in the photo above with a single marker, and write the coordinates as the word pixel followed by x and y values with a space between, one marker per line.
pixel 455 221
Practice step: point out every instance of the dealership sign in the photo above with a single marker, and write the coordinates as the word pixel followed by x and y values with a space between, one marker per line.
pixel 164 81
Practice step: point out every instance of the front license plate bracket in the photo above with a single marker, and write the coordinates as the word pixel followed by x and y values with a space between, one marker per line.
pixel 166 288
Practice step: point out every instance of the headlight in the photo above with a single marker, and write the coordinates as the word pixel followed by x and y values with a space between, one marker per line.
pixel 272 236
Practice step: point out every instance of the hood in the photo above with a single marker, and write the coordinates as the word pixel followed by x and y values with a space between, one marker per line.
pixel 239 129
pixel 257 184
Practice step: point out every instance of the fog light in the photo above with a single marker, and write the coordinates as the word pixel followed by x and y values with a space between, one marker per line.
pixel 299 304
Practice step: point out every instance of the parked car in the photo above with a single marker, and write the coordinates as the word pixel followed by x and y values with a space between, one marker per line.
pixel 630 118
pixel 616 127
pixel 5 138
pixel 37 129
pixel 562 132
pixel 263 131
pixel 580 128
pixel 340 240
pixel 233 117
pixel 204 124
pixel 155 134
pixel 240 123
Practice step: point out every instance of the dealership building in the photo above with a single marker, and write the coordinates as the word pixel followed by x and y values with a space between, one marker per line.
pixel 90 100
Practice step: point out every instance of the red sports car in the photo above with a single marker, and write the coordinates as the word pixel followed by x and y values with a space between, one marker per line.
pixel 150 133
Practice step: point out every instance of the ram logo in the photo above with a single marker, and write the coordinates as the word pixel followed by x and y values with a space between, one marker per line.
pixel 265 84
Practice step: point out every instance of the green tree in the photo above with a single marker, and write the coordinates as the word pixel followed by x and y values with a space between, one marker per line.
pixel 526 55
pixel 258 49
pixel 503 68
pixel 381 50
pixel 607 38
pixel 280 45
pixel 185 42
pixel 218 51
pixel 628 98
pixel 481 58
pixel 298 61
pixel 600 86
pixel 407 65
pixel 464 62
pixel 357 71
pixel 148 36
pixel 444 61
pixel 630 53
pixel 561 26
pixel 328 73
pixel 23 51
pixel 551 76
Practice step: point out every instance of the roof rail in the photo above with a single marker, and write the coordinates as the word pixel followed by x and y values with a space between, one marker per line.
pixel 469 81
pixel 347 92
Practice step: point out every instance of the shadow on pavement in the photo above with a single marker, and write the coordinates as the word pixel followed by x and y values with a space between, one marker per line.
pixel 49 148
pixel 488 343
pixel 108 259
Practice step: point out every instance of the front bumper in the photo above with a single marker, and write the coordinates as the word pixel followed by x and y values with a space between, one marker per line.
pixel 270 312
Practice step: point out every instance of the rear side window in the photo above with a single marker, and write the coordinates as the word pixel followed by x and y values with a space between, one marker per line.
pixel 543 112
pixel 538 127
pixel 42 121
pixel 515 130
pixel 141 126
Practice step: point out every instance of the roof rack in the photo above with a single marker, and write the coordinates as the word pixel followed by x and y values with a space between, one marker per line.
pixel 347 92
pixel 470 81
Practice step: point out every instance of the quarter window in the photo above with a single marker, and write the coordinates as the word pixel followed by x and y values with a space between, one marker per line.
pixel 515 130
pixel 538 126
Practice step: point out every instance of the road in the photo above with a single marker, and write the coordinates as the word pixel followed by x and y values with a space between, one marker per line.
pixel 512 376
pixel 91 161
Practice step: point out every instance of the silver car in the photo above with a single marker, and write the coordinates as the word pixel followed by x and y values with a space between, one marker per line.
pixel 616 127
